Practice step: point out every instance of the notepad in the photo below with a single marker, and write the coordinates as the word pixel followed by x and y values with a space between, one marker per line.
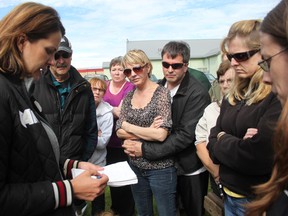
pixel 119 174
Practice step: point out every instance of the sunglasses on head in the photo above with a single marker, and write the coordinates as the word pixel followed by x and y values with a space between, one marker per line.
pixel 64 55
pixel 243 56
pixel 137 69
pixel 174 66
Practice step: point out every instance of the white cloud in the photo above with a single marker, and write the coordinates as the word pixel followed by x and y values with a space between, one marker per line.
pixel 98 29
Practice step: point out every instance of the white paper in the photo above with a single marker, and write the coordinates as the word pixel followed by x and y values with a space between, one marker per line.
pixel 119 174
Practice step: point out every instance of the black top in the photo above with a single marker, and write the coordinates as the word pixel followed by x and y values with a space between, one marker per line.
pixel 245 162
pixel 280 206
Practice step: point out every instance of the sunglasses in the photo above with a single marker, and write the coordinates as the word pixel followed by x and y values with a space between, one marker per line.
pixel 174 66
pixel 243 56
pixel 137 69
pixel 265 64
pixel 64 55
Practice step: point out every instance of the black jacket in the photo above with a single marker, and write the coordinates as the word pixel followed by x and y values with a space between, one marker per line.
pixel 187 108
pixel 75 126
pixel 280 206
pixel 245 162
pixel 27 162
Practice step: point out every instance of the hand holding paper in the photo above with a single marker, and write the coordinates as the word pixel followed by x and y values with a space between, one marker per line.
pixel 119 174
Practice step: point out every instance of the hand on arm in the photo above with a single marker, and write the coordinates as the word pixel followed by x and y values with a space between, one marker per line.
pixel 203 154
pixel 250 133
pixel 132 148
pixel 116 110
pixel 183 135
pixel 122 134
pixel 146 133
pixel 99 133
pixel 158 121
pixel 252 152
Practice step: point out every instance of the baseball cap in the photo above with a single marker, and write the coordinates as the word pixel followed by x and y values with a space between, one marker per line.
pixel 65 45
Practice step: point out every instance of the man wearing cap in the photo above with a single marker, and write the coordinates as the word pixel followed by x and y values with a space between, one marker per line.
pixel 67 101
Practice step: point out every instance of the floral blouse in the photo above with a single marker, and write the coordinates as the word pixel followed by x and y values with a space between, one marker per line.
pixel 160 105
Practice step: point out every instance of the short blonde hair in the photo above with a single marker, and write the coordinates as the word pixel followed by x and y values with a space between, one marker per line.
pixel 137 56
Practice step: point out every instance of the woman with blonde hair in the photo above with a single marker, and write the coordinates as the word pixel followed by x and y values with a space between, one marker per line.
pixel 272 196
pixel 146 115
pixel 241 140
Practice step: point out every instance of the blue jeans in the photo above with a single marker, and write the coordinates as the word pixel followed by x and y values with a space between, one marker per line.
pixel 235 206
pixel 162 184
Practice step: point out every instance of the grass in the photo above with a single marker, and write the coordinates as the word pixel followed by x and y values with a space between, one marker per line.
pixel 108 204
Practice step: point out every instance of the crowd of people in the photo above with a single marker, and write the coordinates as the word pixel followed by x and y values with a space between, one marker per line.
pixel 172 136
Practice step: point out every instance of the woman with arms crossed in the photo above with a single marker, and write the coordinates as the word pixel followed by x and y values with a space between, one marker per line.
pixel 241 140
pixel 146 115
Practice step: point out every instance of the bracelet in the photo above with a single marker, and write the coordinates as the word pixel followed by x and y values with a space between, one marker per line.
pixel 220 134
pixel 216 177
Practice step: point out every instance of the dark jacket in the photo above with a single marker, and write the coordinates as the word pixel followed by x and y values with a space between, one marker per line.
pixel 75 126
pixel 200 77
pixel 27 162
pixel 245 162
pixel 280 206
pixel 187 108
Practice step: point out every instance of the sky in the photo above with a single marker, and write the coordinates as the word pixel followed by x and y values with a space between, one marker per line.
pixel 99 29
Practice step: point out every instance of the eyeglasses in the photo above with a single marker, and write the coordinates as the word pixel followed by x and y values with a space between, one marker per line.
pixel 265 64
pixel 228 81
pixel 98 89
pixel 243 56
pixel 174 66
pixel 64 55
pixel 137 69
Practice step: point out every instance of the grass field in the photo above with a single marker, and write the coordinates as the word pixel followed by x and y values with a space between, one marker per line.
pixel 108 204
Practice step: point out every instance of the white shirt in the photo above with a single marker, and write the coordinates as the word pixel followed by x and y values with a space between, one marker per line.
pixel 104 119
pixel 202 131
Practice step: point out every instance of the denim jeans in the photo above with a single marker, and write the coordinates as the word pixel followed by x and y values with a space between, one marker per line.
pixel 235 206
pixel 162 184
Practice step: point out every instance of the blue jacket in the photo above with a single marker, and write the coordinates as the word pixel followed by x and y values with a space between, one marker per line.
pixel 75 126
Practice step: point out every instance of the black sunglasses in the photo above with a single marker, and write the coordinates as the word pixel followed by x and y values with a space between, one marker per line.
pixel 64 55
pixel 243 56
pixel 137 69
pixel 174 66
pixel 265 63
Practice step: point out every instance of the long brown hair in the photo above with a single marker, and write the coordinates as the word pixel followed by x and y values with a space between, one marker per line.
pixel 275 24
pixel 269 191
pixel 36 21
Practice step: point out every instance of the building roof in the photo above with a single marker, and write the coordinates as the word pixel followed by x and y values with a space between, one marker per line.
pixel 200 48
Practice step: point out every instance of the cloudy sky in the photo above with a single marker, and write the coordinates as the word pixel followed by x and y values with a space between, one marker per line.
pixel 99 29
